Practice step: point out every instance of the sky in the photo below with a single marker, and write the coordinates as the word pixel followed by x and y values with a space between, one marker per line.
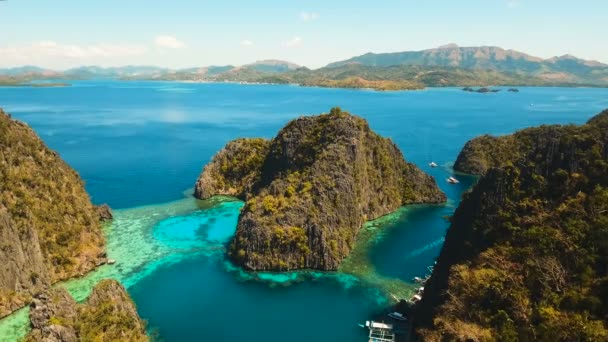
pixel 60 34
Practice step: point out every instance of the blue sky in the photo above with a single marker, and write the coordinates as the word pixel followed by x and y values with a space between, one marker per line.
pixel 186 33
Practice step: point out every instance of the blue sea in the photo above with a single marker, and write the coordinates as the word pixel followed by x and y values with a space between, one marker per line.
pixel 140 146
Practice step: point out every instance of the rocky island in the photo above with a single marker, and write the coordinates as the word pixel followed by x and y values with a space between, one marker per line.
pixel 525 257
pixel 309 190
pixel 49 229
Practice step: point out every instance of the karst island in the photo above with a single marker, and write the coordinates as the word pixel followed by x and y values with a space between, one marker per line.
pixel 310 188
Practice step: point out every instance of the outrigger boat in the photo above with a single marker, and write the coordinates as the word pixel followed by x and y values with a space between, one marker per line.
pixel 453 180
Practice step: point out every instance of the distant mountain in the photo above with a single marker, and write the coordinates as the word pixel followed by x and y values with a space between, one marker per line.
pixel 87 72
pixel 272 65
pixel 396 77
pixel 207 71
pixel 25 70
pixel 447 65
pixel 566 68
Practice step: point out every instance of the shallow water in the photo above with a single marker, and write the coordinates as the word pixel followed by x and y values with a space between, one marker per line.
pixel 139 144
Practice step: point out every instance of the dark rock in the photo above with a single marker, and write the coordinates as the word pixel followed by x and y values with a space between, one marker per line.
pixel 310 189
pixel 53 316
pixel 513 90
pixel 105 212
pixel 482 90
pixel 22 268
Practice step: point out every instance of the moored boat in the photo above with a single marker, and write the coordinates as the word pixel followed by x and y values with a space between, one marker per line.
pixel 398 316
pixel 453 180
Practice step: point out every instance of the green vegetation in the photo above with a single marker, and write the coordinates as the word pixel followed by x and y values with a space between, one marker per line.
pixel 482 153
pixel 445 66
pixel 396 77
pixel 45 214
pixel 110 315
pixel 234 170
pixel 311 189
pixel 41 191
pixel 526 255
pixel 557 70
pixel 26 81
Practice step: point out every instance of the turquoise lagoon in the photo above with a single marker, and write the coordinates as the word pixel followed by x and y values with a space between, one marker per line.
pixel 138 145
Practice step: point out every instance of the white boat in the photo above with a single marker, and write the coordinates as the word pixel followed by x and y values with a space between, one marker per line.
pixel 416 298
pixel 380 332
pixel 111 261
pixel 397 315
pixel 433 164
pixel 453 180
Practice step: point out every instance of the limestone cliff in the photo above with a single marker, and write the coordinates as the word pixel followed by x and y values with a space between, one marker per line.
pixel 50 230
pixel 525 257
pixel 234 170
pixel 22 268
pixel 309 190
pixel 108 315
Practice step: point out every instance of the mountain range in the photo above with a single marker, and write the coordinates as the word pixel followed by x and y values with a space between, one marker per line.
pixel 566 68
pixel 448 65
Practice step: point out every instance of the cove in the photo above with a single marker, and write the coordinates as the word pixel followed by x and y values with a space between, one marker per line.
pixel 137 145
pixel 171 257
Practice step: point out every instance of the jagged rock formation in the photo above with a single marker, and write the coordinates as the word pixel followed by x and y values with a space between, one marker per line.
pixel 527 253
pixel 22 268
pixel 108 315
pixel 50 230
pixel 309 190
pixel 105 212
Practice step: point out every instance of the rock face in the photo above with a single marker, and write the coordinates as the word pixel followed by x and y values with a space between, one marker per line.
pixel 525 258
pixel 309 190
pixel 50 230
pixel 53 315
pixel 105 212
pixel 108 315
pixel 22 268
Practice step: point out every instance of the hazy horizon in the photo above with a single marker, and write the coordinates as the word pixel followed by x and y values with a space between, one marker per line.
pixel 185 33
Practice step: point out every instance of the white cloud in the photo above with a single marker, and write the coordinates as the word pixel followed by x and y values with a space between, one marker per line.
pixel 168 42
pixel 293 42
pixel 48 48
pixel 246 42
pixel 309 16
